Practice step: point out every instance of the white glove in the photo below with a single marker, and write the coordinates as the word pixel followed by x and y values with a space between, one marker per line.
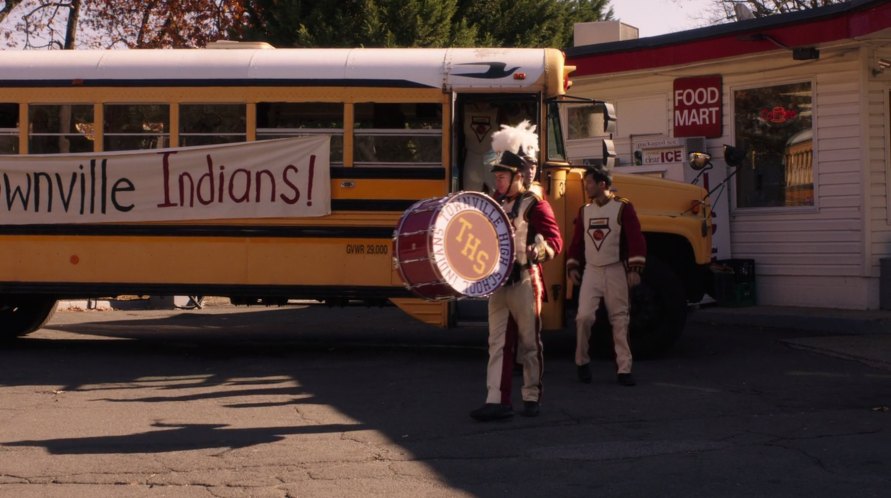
pixel 537 251
pixel 572 270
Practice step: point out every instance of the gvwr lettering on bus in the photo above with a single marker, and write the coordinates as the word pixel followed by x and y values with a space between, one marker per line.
pixel 367 249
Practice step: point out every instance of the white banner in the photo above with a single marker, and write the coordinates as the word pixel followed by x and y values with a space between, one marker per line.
pixel 271 178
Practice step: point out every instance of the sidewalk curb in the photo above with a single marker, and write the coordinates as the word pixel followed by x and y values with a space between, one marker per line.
pixel 849 322
pixel 858 335
pixel 84 304
pixel 874 351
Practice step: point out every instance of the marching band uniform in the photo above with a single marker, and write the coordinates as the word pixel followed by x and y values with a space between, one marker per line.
pixel 515 308
pixel 607 241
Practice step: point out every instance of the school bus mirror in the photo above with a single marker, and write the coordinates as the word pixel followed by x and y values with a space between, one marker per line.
pixel 700 160
pixel 733 156
pixel 609 153
pixel 608 111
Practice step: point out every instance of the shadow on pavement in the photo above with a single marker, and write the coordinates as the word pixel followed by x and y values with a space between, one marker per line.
pixel 378 370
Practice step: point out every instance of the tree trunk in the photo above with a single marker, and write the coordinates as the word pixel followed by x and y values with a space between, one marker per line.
pixel 71 27
pixel 8 7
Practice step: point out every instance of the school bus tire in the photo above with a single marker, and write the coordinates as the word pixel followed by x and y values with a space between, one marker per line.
pixel 20 315
pixel 658 314
pixel 658 310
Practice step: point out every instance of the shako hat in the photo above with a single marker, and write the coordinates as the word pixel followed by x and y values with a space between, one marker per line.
pixel 515 148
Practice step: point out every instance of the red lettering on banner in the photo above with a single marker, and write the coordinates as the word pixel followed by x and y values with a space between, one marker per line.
pixel 276 178
pixel 228 187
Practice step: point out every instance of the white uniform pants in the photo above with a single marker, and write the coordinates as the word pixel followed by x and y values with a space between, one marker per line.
pixel 611 284
pixel 515 325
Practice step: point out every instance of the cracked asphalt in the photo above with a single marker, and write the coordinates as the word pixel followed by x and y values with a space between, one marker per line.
pixel 330 402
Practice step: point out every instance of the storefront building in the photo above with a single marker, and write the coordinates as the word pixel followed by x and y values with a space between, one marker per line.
pixel 805 96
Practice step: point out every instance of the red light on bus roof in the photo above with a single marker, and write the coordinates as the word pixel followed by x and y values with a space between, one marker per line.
pixel 519 76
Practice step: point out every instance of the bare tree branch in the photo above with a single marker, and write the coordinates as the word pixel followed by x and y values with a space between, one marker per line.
pixel 110 23
pixel 764 8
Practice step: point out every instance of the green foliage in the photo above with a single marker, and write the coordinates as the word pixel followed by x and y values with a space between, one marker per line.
pixel 420 23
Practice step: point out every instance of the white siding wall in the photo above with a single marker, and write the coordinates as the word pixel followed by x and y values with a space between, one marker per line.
pixel 815 256
pixel 877 142
pixel 825 255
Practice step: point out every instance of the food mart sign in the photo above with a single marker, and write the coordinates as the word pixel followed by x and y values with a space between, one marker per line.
pixel 698 107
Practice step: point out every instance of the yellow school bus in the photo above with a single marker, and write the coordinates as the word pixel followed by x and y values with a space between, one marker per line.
pixel 398 125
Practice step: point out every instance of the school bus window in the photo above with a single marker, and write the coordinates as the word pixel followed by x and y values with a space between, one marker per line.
pixel 136 126
pixel 556 150
pixel 294 119
pixel 60 129
pixel 398 133
pixel 9 128
pixel 206 124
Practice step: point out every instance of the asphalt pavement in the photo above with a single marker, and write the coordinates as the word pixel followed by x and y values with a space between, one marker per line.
pixel 861 335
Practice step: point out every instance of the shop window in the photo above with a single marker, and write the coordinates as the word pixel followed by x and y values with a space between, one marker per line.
pixel 137 126
pixel 206 124
pixel 9 128
pixel 398 133
pixel 292 119
pixel 774 126
pixel 60 129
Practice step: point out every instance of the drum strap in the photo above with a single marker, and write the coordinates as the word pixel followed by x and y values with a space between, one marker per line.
pixel 515 209
pixel 516 271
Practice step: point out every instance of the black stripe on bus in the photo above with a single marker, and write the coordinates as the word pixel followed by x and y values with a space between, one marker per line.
pixel 65 290
pixel 323 232
pixel 370 205
pixel 389 173
pixel 268 82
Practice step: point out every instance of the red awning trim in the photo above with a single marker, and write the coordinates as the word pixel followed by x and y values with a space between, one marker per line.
pixel 733 40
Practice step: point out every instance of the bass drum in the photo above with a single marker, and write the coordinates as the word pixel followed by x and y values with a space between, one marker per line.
pixel 460 245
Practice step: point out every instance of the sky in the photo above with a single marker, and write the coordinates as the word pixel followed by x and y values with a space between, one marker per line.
pixel 658 17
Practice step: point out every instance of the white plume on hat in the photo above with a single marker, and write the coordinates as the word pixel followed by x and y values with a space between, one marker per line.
pixel 520 139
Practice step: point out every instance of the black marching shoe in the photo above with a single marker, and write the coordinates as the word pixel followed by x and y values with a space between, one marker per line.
pixel 492 411
pixel 625 379
pixel 530 409
pixel 584 373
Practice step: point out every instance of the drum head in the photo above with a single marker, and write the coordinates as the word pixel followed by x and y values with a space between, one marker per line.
pixel 472 244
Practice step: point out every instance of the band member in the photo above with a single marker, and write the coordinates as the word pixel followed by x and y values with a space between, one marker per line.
pixel 609 245
pixel 514 309
pixel 480 123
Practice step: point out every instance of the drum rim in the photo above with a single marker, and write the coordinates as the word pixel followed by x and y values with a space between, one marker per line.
pixel 435 208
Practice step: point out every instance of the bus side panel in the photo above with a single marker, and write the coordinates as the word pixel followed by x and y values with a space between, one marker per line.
pixel 197 260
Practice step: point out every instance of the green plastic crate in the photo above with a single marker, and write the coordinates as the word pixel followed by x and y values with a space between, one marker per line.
pixel 734 282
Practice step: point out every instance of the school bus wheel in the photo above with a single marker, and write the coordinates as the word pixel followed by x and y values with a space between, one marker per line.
pixel 658 315
pixel 20 315
pixel 658 310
